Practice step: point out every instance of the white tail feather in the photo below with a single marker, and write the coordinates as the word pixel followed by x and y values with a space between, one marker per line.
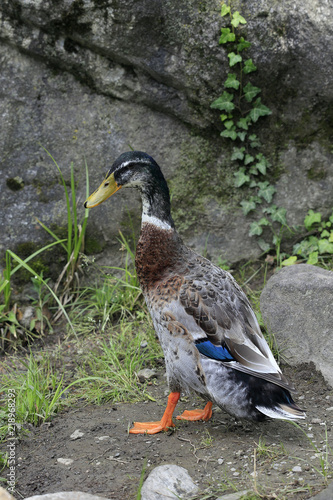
pixel 281 413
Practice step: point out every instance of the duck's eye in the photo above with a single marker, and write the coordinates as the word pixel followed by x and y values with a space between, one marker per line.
pixel 106 184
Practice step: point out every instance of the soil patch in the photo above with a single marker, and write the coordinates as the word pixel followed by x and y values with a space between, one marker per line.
pixel 220 455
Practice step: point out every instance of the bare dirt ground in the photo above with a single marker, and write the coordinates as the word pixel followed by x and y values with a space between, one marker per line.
pixel 221 455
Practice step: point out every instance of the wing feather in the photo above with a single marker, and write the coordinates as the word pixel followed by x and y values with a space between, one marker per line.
pixel 212 298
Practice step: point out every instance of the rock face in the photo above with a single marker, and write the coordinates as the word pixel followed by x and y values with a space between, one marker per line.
pixel 168 481
pixel 90 79
pixel 296 304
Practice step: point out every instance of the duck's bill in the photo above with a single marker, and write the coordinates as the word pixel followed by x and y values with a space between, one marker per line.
pixel 105 190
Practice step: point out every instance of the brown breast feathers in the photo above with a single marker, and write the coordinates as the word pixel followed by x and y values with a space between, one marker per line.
pixel 158 256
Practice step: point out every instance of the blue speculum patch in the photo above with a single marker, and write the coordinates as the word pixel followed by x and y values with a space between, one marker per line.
pixel 212 351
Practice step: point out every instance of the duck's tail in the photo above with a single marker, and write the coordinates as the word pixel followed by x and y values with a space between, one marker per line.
pixel 288 411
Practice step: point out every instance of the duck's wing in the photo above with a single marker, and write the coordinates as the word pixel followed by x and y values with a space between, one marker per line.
pixel 226 328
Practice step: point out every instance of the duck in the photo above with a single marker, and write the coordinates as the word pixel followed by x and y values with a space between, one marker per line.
pixel 212 343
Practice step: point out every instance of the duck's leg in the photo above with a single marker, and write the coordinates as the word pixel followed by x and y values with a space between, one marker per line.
pixel 161 425
pixel 204 414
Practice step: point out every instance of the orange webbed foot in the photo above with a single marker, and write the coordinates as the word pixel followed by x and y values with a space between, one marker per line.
pixel 150 427
pixel 162 425
pixel 194 415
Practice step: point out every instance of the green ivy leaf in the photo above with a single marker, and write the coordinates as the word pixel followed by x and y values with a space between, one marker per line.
pixel 305 247
pixel 237 19
pixel 226 36
pixel 248 159
pixel 312 218
pixel 250 91
pixel 253 170
pixel 256 199
pixel 249 67
pixel 261 164
pixel 264 245
pixel 243 44
pixel 330 239
pixel 290 261
pixel 253 184
pixel 258 110
pixel 224 103
pixel 255 229
pixel 266 191
pixel 264 222
pixel 325 246
pixel 247 206
pixel 241 178
pixel 325 234
pixel 254 141
pixel 229 124
pixel 234 58
pixel 313 258
pixel 243 123
pixel 232 82
pixel 230 134
pixel 241 135
pixel 225 10
pixel 279 215
pixel 223 117
pixel 238 154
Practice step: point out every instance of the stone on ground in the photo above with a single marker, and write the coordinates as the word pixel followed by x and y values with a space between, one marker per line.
pixel 168 481
pixel 234 496
pixel 326 494
pixel 297 306
pixel 5 495
pixel 67 495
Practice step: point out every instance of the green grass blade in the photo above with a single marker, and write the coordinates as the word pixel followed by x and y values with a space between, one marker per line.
pixel 35 254
pixel 3 285
pixel 76 229
pixel 51 233
pixel 69 216
pixel 86 215
pixel 7 274
pixel 28 268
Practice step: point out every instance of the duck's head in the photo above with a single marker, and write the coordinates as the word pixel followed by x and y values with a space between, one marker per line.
pixel 139 170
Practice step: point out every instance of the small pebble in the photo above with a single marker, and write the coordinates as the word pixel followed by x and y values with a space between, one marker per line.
pixel 220 461
pixel 65 461
pixel 146 374
pixel 103 438
pixel 297 468
pixel 316 421
pixel 76 434
pixel 330 408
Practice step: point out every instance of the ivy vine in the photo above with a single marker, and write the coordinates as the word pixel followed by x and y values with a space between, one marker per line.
pixel 241 107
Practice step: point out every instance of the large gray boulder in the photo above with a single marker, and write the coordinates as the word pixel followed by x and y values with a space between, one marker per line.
pixel 92 79
pixel 297 306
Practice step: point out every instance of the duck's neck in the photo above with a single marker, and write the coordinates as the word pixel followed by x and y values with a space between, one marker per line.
pixel 156 207
pixel 158 251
